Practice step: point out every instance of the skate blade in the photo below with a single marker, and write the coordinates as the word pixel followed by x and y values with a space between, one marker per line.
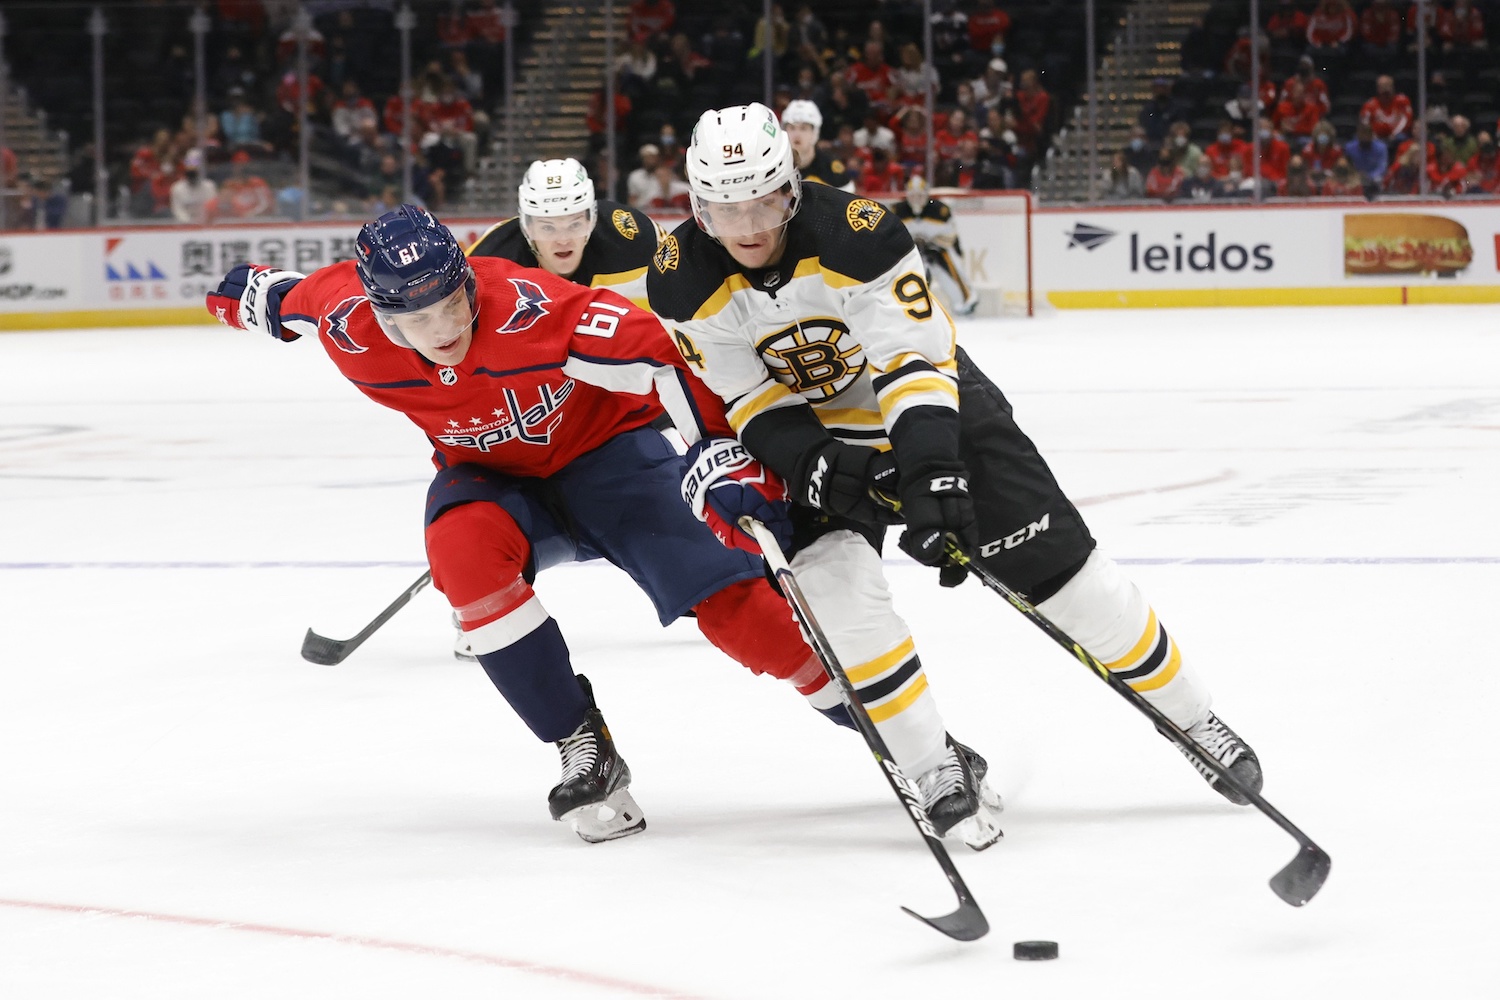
pixel 979 831
pixel 617 816
pixel 989 798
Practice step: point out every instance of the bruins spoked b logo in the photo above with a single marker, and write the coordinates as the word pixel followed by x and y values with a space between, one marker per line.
pixel 817 358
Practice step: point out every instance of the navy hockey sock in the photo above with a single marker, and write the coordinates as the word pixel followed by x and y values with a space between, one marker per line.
pixel 840 715
pixel 535 674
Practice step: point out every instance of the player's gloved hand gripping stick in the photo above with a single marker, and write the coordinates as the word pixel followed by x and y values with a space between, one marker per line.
pixel 967 923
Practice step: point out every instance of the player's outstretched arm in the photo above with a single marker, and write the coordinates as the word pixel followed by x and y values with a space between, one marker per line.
pixel 249 298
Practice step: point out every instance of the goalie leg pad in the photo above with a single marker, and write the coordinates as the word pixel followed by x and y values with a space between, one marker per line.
pixel 1108 615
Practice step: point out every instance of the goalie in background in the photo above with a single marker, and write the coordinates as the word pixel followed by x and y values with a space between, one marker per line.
pixel 931 225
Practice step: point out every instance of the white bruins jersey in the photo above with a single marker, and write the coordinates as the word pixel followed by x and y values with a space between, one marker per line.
pixel 845 323
pixel 933 224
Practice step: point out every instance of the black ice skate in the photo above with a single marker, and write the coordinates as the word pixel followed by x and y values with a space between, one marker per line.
pixel 950 795
pixel 594 793
pixel 1229 750
pixel 981 767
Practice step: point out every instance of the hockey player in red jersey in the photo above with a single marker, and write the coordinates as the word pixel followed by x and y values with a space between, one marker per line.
pixel 538 396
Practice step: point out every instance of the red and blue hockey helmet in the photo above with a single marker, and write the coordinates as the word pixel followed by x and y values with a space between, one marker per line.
pixel 407 260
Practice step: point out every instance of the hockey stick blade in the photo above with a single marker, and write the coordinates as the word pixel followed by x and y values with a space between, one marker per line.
pixel 1304 875
pixel 967 923
pixel 325 651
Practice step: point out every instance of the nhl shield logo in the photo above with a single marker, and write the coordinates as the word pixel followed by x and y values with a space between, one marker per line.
pixel 447 376
pixel 625 223
pixel 666 255
pixel 864 214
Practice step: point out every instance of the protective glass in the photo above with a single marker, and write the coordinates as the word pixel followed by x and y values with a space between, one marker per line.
pixel 561 227
pixel 745 218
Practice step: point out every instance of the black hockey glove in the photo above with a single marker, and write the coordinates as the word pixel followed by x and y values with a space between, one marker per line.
pixel 841 479
pixel 936 507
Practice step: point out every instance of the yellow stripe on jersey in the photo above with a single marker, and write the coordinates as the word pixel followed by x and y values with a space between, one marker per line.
pixel 1163 676
pixel 1139 649
pixel 900 703
pixel 832 278
pixel 828 415
pixel 619 277
pixel 751 405
pixel 879 665
pixel 948 364
pixel 720 298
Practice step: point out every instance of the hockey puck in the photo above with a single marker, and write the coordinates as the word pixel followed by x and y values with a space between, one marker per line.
pixel 1035 951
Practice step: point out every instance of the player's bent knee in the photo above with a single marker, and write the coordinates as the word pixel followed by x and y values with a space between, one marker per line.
pixel 749 622
pixel 475 550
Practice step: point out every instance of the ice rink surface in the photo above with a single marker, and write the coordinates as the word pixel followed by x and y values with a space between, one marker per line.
pixel 188 810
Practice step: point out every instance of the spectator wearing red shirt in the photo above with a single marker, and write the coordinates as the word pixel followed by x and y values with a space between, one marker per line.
pixel 1322 152
pixel 1343 181
pixel 872 74
pixel 649 18
pixel 1312 84
pixel 1165 179
pixel 1329 31
pixel 392 119
pixel 954 131
pixel 289 87
pixel 1237 59
pixel 1226 148
pixel 1387 113
pixel 1380 34
pixel 1460 31
pixel 596 113
pixel 244 194
pixel 1405 174
pixel 880 175
pixel 1033 104
pixel 668 191
pixel 1296 117
pixel 1287 26
pixel 1445 175
pixel 1275 154
pixel 987 28
pixel 910 126
pixel 1484 167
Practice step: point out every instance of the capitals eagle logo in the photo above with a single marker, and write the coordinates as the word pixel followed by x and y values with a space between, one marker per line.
pixel 338 325
pixel 529 306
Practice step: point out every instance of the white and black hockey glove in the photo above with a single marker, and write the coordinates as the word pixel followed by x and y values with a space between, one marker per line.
pixel 936 506
pixel 724 483
pixel 249 298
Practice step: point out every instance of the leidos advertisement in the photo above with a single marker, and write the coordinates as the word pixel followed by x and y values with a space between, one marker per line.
pixel 1273 254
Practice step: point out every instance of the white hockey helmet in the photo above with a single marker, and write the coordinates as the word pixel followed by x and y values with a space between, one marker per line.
pixel 802 113
pixel 739 156
pixel 554 188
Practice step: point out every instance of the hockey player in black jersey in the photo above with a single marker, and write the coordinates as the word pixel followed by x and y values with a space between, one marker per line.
pixel 564 229
pixel 931 225
pixel 803 123
pixel 807 310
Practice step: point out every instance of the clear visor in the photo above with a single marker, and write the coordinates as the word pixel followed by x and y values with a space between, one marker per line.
pixel 553 229
pixel 430 326
pixel 744 218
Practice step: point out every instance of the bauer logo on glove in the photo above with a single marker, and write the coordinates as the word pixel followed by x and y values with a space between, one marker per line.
pixel 249 298
pixel 724 483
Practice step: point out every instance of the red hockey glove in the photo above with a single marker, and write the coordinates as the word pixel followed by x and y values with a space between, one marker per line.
pixel 249 298
pixel 936 506
pixel 724 483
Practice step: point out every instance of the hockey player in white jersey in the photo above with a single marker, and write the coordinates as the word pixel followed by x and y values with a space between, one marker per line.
pixel 803 123
pixel 932 228
pixel 807 311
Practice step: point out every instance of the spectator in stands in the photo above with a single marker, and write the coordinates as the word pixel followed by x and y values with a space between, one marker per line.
pixel 1275 154
pixel 351 112
pixel 1225 149
pixel 914 76
pixel 844 104
pixel 807 36
pixel 872 75
pixel 880 175
pixel 447 165
pixel 650 18
pixel 1287 27
pixel 671 149
pixel 641 182
pixel 955 131
pixel 1232 184
pixel 1166 177
pixel 290 88
pixel 992 87
pixel 1120 181
pixel 486 48
pixel 595 118
pixel 232 70
pixel 910 128
pixel 1330 29
pixel 1237 59
pixel 1296 117
pixel 1312 84
pixel 1431 23
pixel 964 168
pixel 1198 59
pixel 1460 30
pixel 1380 34
pixel 1388 113
pixel 988 27
pixel 997 152
pixel 1367 155
pixel 1187 151
pixel 450 118
pixel 636 69
pixel 1159 111
pixel 367 147
pixel 1446 175
pixel 152 170
pixel 1405 175
pixel 1298 182
pixel 1484 167
pixel 193 194
pixel 1200 185
pixel 1139 153
pixel 470 81
pixel 1243 109
pixel 244 194
pixel 1343 181
pixel 388 174
pixel 777 36
pixel 1462 139
pixel 873 135
pixel 1322 150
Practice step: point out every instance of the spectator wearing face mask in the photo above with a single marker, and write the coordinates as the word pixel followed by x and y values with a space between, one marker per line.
pixel 1224 149
pixel 1166 177
pixel 1201 185
pixel 1313 85
pixel 1188 152
pixel 1275 154
pixel 1120 180
pixel 1366 154
pixel 1321 151
pixel 193 195
pixel 1139 152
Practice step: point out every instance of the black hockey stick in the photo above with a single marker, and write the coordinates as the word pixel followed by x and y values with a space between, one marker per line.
pixel 1305 874
pixel 967 923
pixel 319 649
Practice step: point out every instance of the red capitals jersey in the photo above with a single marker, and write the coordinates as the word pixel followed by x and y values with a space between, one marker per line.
pixel 555 369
